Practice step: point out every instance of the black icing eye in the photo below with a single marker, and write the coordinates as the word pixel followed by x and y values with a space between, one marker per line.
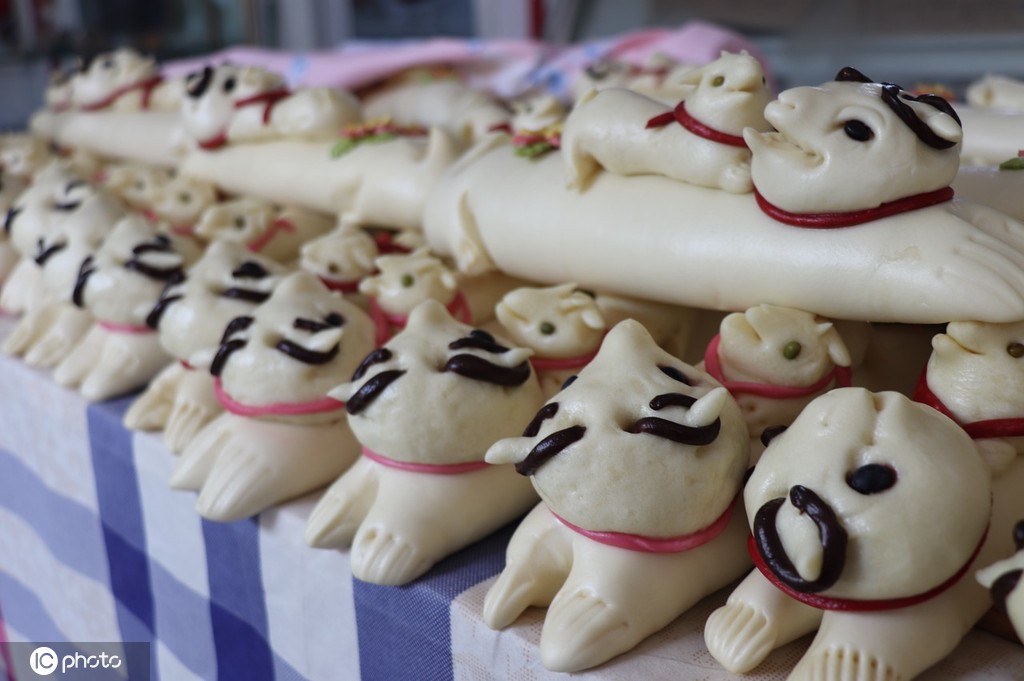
pixel 792 350
pixel 333 267
pixel 1015 350
pixel 871 478
pixel 857 130
pixel 718 81
pixel 107 63
pixel 407 280
pixel 229 85
pixel 569 381
pixel 675 374
pixel 239 222
pixel 770 433
pixel 546 328
pixel 184 197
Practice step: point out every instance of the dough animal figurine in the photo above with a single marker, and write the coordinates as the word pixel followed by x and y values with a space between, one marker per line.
pixel 68 222
pixel 281 435
pixel 997 92
pixel 262 227
pixel 123 80
pixel 775 360
pixel 867 515
pixel 11 186
pixel 23 155
pixel 119 286
pixel 639 463
pixel 660 77
pixel 537 112
pixel 405 281
pixel 562 325
pixel 425 408
pixel 1002 579
pixel 136 184
pixel 227 282
pixel 853 192
pixel 465 114
pixel 700 141
pixel 228 104
pixel 973 376
pixel 341 259
pixel 180 202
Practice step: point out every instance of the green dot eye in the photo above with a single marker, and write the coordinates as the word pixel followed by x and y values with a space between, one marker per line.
pixel 718 81
pixel 547 328
pixel 1015 350
pixel 407 280
pixel 792 350
pixel 239 222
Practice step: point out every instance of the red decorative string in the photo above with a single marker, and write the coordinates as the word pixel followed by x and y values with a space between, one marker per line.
pixel 683 118
pixel 854 217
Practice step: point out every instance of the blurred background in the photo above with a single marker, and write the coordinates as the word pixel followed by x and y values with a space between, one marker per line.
pixel 806 41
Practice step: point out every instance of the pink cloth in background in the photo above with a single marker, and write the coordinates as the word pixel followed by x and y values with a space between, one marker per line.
pixel 506 67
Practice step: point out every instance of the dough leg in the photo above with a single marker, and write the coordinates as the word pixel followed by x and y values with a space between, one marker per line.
pixel 195 405
pixel 150 410
pixel 76 366
pixel 198 458
pixel 30 328
pixel 69 325
pixel 337 516
pixel 126 363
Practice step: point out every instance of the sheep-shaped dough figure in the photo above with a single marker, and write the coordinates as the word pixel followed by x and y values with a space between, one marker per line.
pixel 68 220
pixel 227 282
pixel 867 515
pixel 228 104
pixel 118 286
pixel 562 325
pixel 1002 579
pixel 638 463
pixel 180 202
pixel 700 141
pixel 341 258
pixel 997 92
pixel 404 281
pixel 273 231
pixel 425 408
pixel 136 184
pixel 775 360
pixel 123 80
pixel 282 435
pixel 974 376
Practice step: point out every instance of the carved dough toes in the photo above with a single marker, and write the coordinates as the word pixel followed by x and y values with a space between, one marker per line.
pixel 736 178
pixel 198 458
pixel 842 663
pixel 583 630
pixel 24 334
pixel 184 422
pixel 238 486
pixel 75 367
pixel 342 509
pixel 150 411
pixel 382 556
pixel 739 637
pixel 48 350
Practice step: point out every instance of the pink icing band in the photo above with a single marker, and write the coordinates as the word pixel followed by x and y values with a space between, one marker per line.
pixel 186 365
pixel 683 118
pixel 178 230
pixel 343 286
pixel 978 430
pixel 146 86
pixel 841 376
pixel 114 327
pixel 429 468
pixel 562 363
pixel 636 542
pixel 853 217
pixel 855 604
pixel 321 406
pixel 458 308
pixel 267 99
pixel 279 225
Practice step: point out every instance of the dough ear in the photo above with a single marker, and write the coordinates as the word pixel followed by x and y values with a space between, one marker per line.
pixel 508 450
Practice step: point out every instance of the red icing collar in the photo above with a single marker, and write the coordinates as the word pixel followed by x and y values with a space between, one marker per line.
pixel 853 217
pixel 267 99
pixel 384 321
pixel 323 405
pixel 1008 427
pixel 429 468
pixel 560 363
pixel 114 327
pixel 279 225
pixel 147 86
pixel 680 116
pixel 343 286
pixel 853 604
pixel 841 376
pixel 637 542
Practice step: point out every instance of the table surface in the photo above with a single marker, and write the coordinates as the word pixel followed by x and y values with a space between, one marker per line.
pixel 96 547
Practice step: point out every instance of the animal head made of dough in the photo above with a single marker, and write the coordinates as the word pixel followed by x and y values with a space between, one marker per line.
pixel 729 93
pixel 868 496
pixel 638 443
pixel 997 92
pixel 303 341
pixel 852 144
pixel 124 279
pixel 240 220
pixel 343 257
pixel 976 370
pixel 659 77
pixel 779 346
pixel 1003 581
pixel 555 321
pixel 440 392
pixel 404 281
pixel 136 184
pixel 30 215
pixel 181 201
pixel 23 155
pixel 226 282
pixel 106 74
pixel 211 96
